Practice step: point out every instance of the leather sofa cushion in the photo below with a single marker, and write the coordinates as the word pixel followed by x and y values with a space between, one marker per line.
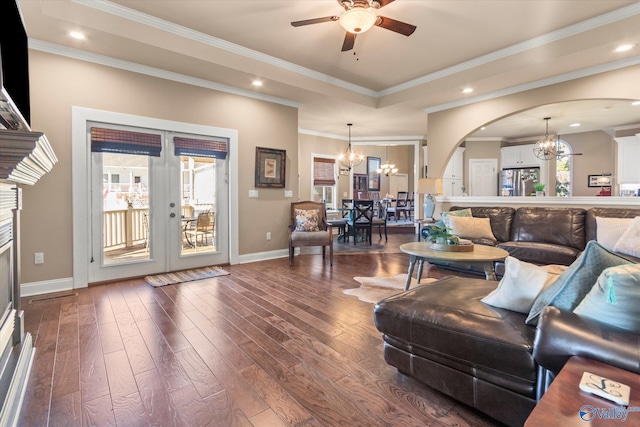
pixel 541 253
pixel 558 226
pixel 447 320
pixel 591 225
pixel 500 218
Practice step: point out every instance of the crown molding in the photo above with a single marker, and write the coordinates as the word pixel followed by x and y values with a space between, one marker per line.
pixel 152 71
pixel 561 78
pixel 408 138
pixel 179 30
pixel 144 19
pixel 589 24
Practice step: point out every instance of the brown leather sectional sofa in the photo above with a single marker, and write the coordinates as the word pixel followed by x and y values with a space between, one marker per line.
pixel 487 357
pixel 542 235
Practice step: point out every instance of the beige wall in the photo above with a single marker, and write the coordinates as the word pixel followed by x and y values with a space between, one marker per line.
pixel 598 156
pixel 400 155
pixel 479 150
pixel 58 83
pixel 446 129
pixel 309 144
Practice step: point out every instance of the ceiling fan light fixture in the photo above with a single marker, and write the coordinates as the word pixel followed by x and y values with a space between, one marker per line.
pixel 358 20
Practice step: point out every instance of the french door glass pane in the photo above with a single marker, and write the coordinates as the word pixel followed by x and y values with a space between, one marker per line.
pixel 198 204
pixel 125 207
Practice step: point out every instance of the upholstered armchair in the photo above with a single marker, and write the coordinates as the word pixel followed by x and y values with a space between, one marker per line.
pixel 309 227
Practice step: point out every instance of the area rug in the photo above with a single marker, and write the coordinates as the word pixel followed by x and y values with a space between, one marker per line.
pixel 185 276
pixel 373 289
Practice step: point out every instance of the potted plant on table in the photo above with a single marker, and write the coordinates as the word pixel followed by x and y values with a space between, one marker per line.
pixel 442 235
pixel 539 187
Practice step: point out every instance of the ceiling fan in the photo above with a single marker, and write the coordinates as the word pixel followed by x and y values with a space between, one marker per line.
pixel 359 16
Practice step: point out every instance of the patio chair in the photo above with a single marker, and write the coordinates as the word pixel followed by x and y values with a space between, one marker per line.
pixel 203 229
pixel 309 227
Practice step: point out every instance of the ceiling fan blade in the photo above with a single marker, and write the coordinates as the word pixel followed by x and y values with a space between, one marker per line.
pixel 349 41
pixel 397 26
pixel 383 3
pixel 314 21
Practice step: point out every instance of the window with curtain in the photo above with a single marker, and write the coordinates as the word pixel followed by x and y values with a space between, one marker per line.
pixel 105 140
pixel 216 148
pixel 324 181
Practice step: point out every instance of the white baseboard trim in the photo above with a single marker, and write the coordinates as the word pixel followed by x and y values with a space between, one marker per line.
pixel 46 287
pixel 263 256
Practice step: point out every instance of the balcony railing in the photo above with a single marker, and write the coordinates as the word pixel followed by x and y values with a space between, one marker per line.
pixel 124 227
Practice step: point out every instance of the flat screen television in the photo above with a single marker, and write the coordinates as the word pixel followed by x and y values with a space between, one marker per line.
pixel 14 68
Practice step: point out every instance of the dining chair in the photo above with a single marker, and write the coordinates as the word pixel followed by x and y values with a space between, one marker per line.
pixel 398 209
pixel 203 229
pixel 362 219
pixel 381 220
pixel 341 223
pixel 309 227
pixel 407 211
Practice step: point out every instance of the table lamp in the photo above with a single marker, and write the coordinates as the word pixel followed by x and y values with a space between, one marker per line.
pixel 429 187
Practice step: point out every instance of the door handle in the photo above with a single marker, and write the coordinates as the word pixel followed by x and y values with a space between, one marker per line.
pixel 172 205
pixel 172 215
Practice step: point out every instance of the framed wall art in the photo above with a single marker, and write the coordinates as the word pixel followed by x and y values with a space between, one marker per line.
pixel 373 164
pixel 270 167
pixel 599 180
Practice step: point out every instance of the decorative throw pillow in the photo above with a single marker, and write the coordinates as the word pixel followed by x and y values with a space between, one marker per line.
pixel 629 242
pixel 306 220
pixel 471 228
pixel 615 298
pixel 520 285
pixel 609 230
pixel 577 280
pixel 461 212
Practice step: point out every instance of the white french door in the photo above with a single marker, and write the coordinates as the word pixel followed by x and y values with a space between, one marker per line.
pixel 148 209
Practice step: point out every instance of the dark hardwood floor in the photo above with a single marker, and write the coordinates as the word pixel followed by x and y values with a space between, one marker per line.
pixel 268 345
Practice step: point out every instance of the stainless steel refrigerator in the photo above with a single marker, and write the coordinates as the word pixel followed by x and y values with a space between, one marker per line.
pixel 518 182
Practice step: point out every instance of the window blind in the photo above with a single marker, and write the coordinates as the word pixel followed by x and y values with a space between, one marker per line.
pixel 216 148
pixel 323 171
pixel 126 142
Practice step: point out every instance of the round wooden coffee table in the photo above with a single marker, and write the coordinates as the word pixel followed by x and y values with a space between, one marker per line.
pixel 481 254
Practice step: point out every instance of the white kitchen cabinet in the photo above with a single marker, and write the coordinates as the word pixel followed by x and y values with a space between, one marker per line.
pixel 454 174
pixel 519 156
pixel 628 155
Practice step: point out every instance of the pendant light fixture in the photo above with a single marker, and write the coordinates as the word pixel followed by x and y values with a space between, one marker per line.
pixel 547 148
pixel 387 168
pixel 349 159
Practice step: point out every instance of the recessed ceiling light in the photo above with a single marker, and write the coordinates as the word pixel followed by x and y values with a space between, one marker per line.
pixel 635 103
pixel 257 83
pixel 483 128
pixel 624 48
pixel 467 90
pixel 77 35
pixel 574 125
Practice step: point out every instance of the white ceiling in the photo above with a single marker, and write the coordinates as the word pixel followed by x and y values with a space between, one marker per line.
pixel 385 86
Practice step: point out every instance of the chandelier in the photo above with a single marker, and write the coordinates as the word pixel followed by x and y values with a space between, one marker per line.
pixel 350 159
pixel 388 168
pixel 547 148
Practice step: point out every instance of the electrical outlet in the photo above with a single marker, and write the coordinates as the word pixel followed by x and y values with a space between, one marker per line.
pixel 268 235
pixel 288 193
pixel 39 258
